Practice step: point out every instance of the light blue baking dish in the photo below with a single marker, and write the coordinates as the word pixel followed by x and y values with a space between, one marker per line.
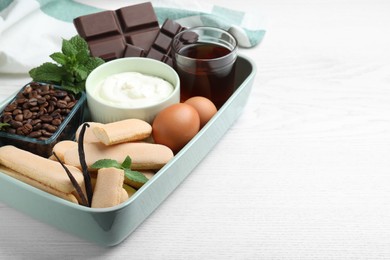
pixel 110 226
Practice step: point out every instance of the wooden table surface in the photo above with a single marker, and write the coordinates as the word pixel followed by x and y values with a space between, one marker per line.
pixel 304 173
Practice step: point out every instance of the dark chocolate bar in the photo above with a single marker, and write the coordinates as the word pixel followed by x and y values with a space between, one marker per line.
pixel 128 31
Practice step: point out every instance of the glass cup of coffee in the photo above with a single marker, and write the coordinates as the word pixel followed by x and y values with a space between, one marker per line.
pixel 204 58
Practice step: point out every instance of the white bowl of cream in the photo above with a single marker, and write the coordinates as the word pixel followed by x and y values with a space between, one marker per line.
pixel 131 88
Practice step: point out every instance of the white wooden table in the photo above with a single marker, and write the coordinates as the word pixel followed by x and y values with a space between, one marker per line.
pixel 304 173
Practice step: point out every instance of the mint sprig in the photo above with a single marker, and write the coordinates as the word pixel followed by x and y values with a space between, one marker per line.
pixel 125 165
pixel 3 125
pixel 71 68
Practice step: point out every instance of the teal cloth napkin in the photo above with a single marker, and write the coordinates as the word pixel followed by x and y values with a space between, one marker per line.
pixel 30 30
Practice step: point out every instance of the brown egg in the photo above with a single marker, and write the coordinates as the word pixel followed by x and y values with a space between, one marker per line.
pixel 175 126
pixel 205 107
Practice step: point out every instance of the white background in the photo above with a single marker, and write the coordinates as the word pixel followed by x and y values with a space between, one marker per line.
pixel 304 173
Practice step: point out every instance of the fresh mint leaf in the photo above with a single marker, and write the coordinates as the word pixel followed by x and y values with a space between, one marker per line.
pixel 82 56
pixel 130 174
pixel 93 63
pixel 3 125
pixel 135 176
pixel 106 163
pixel 59 57
pixel 68 48
pixel 126 163
pixel 47 72
pixel 81 73
pixel 79 43
pixel 68 80
pixel 73 87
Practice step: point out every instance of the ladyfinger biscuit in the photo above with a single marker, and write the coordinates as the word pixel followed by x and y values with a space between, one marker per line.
pixel 124 195
pixel 148 173
pixel 108 189
pixel 89 136
pixel 48 172
pixel 61 147
pixel 70 197
pixel 128 130
pixel 144 156
pixel 129 190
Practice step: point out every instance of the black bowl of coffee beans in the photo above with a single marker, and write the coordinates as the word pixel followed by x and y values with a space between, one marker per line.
pixel 39 116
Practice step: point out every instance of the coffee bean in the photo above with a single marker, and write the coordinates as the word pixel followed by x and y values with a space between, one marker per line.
pixel 27 114
pixel 39 114
pixel 65 111
pixel 33 94
pixel 56 121
pixel 71 104
pixel 19 117
pixel 25 129
pixel 50 108
pixel 7 118
pixel 22 100
pixel 51 128
pixel 27 89
pixel 46 118
pixel 46 133
pixel 33 102
pixel 56 114
pixel 45 88
pixel 26 105
pixel 34 109
pixel 37 126
pixel 36 121
pixel 61 104
pixel 16 112
pixel 35 134
pixel 41 100
pixel 11 107
pixel 45 125
pixel 44 104
pixel 42 110
pixel 15 124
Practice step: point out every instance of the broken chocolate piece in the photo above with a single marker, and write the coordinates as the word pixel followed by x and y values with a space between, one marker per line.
pixel 161 47
pixel 189 37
